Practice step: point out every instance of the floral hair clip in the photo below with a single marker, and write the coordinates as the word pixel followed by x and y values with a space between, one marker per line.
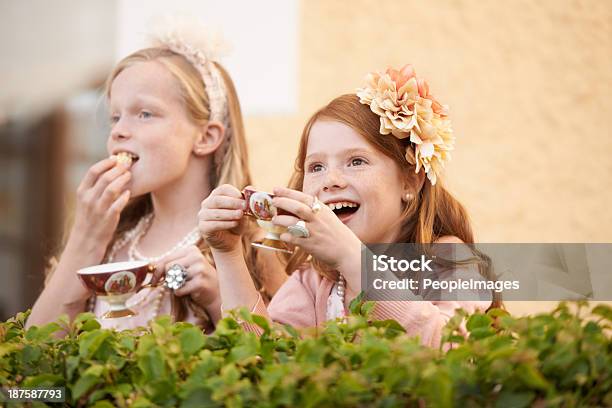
pixel 408 110
pixel 201 46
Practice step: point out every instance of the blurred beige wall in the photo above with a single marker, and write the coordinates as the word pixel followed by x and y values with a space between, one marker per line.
pixel 50 50
pixel 529 84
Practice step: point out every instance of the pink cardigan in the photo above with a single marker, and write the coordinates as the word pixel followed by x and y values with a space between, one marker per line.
pixel 302 302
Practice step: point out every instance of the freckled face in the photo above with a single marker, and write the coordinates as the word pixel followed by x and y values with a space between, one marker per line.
pixel 342 167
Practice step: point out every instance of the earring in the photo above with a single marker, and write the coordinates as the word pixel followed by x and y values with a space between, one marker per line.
pixel 407 197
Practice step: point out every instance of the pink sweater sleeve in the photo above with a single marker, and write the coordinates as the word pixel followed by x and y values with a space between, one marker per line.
pixel 293 304
pixel 426 319
pixel 423 318
pixel 301 302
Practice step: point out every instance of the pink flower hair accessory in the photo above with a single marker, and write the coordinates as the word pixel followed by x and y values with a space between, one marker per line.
pixel 407 110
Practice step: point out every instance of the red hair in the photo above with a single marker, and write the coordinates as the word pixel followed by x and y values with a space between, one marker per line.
pixel 432 214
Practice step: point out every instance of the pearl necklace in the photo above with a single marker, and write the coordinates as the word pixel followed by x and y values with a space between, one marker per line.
pixel 143 226
pixel 335 301
pixel 134 235
pixel 341 287
pixel 127 237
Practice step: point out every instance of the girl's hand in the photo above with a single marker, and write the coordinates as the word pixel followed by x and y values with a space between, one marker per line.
pixel 330 241
pixel 220 217
pixel 201 282
pixel 101 197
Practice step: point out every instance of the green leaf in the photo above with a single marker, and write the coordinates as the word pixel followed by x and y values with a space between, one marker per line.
pixel 9 348
pixel 84 384
pixel 247 348
pixel 481 333
pixel 510 399
pixel 40 333
pixel 532 377
pixel 142 402
pixel 478 321
pixel 128 342
pixel 103 404
pixel 95 370
pixel 355 304
pixel 497 312
pixel 97 395
pixel 390 324
pixel 44 380
pixel 455 338
pixel 549 359
pixel 90 325
pixel 245 314
pixel 261 322
pixel 367 308
pixel 199 398
pixel 72 363
pixel 152 364
pixel 90 342
pixel 123 389
pixel 84 320
pixel 604 311
pixel 192 340
pixel 292 331
pixel 31 354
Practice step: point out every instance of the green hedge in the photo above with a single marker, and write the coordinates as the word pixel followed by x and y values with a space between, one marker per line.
pixel 558 359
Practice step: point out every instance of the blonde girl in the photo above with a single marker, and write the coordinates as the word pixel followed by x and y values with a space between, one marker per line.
pixel 176 134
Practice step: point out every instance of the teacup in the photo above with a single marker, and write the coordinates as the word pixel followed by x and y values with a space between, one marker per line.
pixel 259 206
pixel 115 283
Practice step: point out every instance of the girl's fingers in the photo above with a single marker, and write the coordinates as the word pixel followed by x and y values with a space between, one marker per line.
pixel 96 171
pixel 120 203
pixel 114 189
pixel 191 286
pixel 284 220
pixel 195 257
pixel 293 206
pixel 181 256
pixel 227 190
pixel 107 178
pixel 157 275
pixel 295 195
pixel 182 261
pixel 220 215
pixel 291 239
pixel 224 202
pixel 209 227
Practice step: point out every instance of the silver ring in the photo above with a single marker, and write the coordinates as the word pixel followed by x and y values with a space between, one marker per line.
pixel 299 230
pixel 176 277
pixel 316 205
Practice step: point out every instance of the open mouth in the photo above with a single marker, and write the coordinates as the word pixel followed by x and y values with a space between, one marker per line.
pixel 126 158
pixel 344 210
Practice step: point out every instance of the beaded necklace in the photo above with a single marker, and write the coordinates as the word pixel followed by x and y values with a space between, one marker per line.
pixel 134 236
pixel 335 301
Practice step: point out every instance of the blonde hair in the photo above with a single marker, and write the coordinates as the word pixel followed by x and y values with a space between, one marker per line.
pixel 432 214
pixel 230 161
